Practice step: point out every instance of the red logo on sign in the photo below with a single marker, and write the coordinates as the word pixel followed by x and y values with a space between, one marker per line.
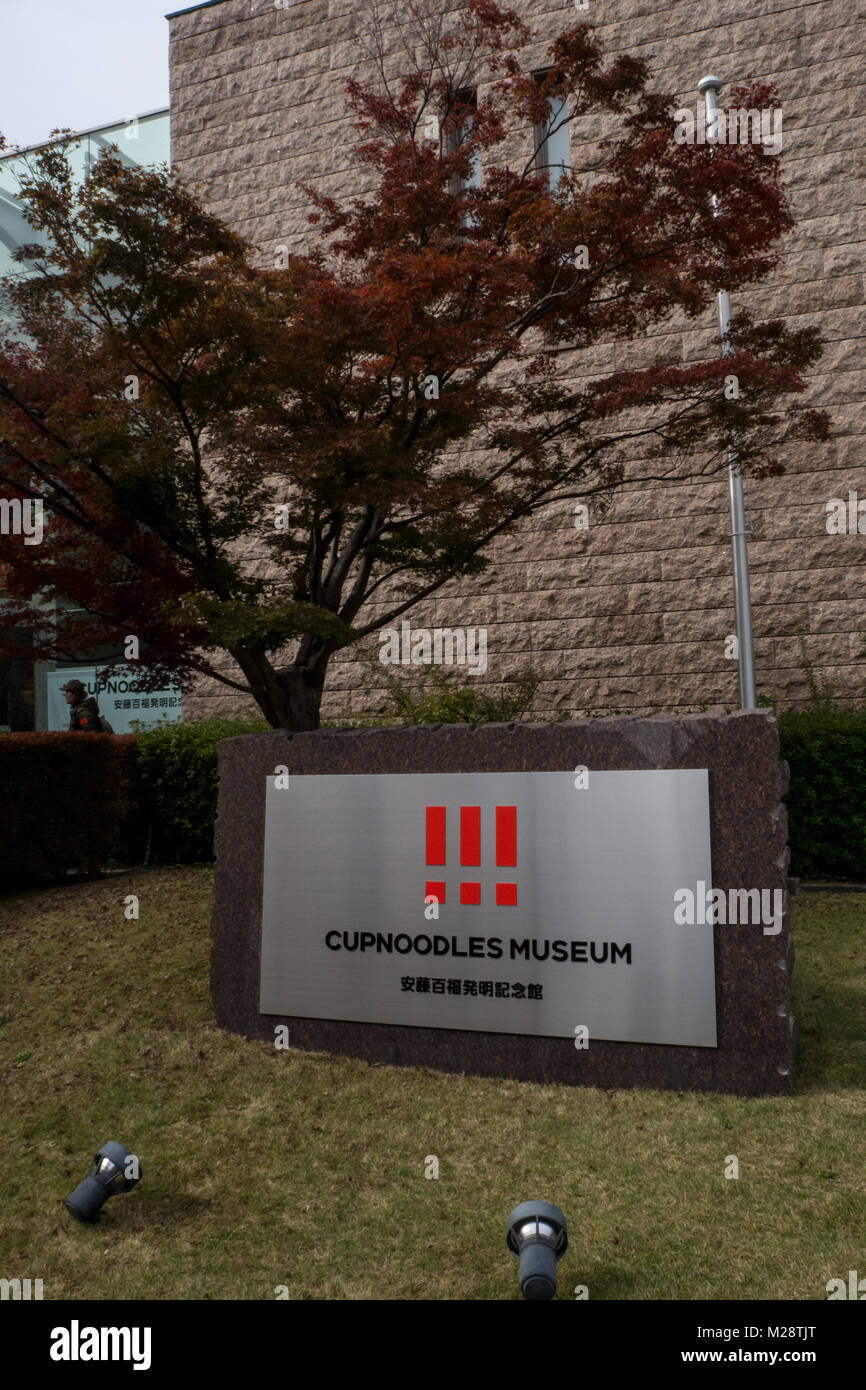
pixel 470 852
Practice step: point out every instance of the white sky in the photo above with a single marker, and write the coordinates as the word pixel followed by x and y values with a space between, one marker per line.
pixel 80 63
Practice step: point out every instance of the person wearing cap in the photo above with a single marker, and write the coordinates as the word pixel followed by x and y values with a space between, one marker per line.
pixel 84 714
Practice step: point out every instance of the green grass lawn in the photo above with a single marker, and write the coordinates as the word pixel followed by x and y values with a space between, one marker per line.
pixel 265 1168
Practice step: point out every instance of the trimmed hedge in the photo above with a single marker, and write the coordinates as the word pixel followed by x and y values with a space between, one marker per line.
pixel 176 771
pixel 82 801
pixel 826 801
pixel 67 803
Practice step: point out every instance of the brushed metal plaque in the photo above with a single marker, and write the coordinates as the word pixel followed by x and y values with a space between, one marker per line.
pixel 577 930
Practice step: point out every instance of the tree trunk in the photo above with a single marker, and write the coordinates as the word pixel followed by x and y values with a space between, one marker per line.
pixel 290 698
pixel 302 689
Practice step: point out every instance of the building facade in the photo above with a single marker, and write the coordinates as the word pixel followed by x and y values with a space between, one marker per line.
pixel 636 612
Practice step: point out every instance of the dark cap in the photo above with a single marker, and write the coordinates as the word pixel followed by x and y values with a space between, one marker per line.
pixel 73 685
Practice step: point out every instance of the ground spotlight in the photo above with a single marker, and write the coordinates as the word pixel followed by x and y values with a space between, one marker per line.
pixel 537 1235
pixel 114 1169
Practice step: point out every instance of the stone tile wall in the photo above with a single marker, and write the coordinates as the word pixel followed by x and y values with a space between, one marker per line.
pixel 633 614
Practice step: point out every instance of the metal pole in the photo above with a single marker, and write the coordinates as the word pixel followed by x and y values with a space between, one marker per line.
pixel 710 87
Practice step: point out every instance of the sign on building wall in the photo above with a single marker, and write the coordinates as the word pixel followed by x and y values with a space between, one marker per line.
pixel 509 902
pixel 120 698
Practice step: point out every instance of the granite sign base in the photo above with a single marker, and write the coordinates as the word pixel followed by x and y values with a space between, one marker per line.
pixel 756 1035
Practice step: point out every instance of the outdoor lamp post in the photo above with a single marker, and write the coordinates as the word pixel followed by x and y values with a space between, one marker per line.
pixel 709 87
pixel 537 1235
pixel 114 1169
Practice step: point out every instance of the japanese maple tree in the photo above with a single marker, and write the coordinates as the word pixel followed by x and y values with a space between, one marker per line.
pixel 235 461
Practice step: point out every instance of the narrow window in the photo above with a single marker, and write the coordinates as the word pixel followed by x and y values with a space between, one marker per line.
pixel 458 129
pixel 551 141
